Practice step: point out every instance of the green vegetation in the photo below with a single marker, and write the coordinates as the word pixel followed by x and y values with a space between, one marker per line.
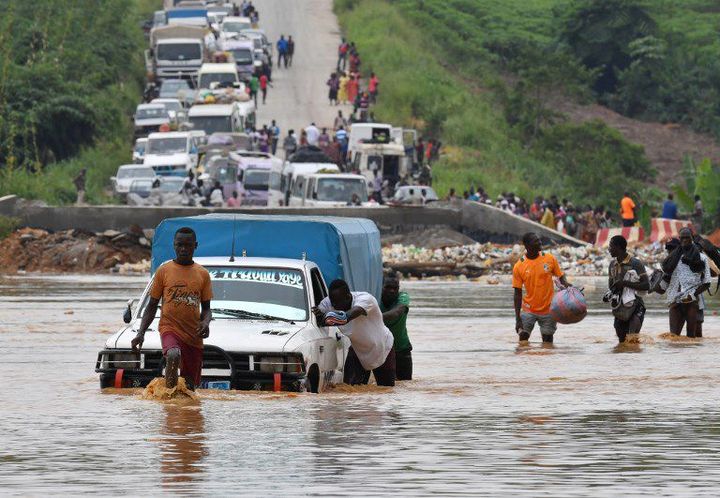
pixel 7 225
pixel 501 137
pixel 72 74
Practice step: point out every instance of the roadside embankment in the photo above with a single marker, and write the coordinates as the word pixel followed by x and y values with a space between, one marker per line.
pixel 75 251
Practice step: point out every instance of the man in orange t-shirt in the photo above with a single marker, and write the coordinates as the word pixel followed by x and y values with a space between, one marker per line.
pixel 627 210
pixel 185 289
pixel 535 272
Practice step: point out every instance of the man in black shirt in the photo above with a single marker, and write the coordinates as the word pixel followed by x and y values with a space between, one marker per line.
pixel 629 312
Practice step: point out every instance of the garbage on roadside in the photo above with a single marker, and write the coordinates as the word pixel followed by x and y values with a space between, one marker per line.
pixel 492 259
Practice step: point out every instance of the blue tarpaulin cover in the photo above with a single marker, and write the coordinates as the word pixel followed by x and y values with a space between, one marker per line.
pixel 347 248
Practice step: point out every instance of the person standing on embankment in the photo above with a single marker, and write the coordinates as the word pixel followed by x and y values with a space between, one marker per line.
pixel 535 271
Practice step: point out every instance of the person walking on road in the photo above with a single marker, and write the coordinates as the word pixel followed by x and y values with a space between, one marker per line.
pixel 290 144
pixel 534 272
pixel 185 290
pixel 373 87
pixel 358 317
pixel 669 210
pixel 395 306
pixel 627 210
pixel 339 122
pixel 342 91
pixel 290 50
pixel 313 134
pixel 333 84
pixel 274 136
pixel 254 85
pixel 353 87
pixel 264 86
pixel 79 182
pixel 282 48
pixel 626 276
pixel 342 55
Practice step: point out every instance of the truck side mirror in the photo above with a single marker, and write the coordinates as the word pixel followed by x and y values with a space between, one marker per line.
pixel 127 316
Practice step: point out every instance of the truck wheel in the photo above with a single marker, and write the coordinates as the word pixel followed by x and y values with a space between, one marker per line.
pixel 313 378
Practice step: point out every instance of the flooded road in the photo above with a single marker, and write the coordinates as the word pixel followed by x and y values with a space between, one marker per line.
pixel 482 417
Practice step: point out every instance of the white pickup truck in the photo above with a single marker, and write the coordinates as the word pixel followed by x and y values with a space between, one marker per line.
pixel 263 335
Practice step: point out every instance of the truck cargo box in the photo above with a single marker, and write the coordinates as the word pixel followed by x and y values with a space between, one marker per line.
pixel 347 248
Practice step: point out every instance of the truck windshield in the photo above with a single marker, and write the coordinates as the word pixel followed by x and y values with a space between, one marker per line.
pixel 270 291
pixel 151 113
pixel 235 27
pixel 167 145
pixel 223 78
pixel 256 179
pixel 242 56
pixel 341 189
pixel 225 174
pixel 212 124
pixel 135 173
pixel 179 51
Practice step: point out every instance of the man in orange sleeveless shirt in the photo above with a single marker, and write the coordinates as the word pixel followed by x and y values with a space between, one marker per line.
pixel 185 289
pixel 535 272
pixel 627 210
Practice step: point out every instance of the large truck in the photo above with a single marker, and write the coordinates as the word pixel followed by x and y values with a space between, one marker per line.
pixel 176 51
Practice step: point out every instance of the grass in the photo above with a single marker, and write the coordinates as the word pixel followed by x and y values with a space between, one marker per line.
pixel 417 90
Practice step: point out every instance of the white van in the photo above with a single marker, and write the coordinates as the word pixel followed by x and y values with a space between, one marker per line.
pixel 173 143
pixel 222 74
pixel 369 132
pixel 387 160
pixel 283 178
pixel 214 118
pixel 328 190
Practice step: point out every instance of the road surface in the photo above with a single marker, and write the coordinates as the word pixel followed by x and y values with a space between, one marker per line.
pixel 299 94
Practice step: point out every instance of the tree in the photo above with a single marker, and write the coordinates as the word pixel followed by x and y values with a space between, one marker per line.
pixel 599 33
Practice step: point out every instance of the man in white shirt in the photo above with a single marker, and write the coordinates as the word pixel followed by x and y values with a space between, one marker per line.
pixel 313 134
pixel 358 317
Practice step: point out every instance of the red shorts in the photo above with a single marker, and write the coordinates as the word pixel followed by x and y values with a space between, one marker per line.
pixel 190 357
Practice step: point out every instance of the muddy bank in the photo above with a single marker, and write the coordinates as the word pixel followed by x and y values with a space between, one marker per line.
pixel 76 251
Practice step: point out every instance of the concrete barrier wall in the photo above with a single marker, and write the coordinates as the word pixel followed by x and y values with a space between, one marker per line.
pixel 490 224
pixel 481 222
pixel 100 218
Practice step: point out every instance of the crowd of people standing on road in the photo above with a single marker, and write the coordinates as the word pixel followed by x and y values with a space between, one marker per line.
pixel 345 85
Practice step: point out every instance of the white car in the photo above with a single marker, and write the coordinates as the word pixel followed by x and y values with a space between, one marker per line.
pixel 138 152
pixel 149 118
pixel 262 333
pixel 233 26
pixel 127 174
pixel 173 106
pixel 413 195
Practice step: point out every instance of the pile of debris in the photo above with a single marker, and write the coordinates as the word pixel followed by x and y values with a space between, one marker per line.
pixel 78 251
pixel 476 260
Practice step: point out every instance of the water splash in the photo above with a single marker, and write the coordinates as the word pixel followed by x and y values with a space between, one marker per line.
pixel 157 390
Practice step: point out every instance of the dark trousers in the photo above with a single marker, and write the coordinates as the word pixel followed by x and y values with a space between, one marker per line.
pixel 628 223
pixel 632 326
pixel 685 314
pixel 355 373
pixel 403 364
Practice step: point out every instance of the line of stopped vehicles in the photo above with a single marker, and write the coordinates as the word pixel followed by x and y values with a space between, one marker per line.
pixel 200 118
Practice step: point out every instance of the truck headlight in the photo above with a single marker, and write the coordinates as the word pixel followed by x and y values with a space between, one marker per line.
pixel 279 364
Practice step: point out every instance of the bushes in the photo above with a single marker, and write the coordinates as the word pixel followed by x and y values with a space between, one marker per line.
pixel 489 144
pixel 590 161
pixel 72 74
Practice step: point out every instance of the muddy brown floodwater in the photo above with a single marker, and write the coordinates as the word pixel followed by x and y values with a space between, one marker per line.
pixel 482 418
